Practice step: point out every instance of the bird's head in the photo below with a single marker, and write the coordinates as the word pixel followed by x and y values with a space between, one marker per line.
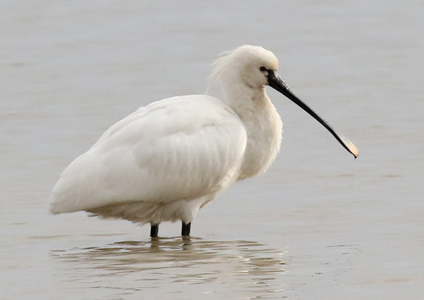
pixel 250 64
pixel 255 67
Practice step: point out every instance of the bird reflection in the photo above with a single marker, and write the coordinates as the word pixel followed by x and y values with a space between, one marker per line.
pixel 161 261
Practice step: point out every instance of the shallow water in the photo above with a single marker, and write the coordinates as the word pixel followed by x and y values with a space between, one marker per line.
pixel 317 225
pixel 185 268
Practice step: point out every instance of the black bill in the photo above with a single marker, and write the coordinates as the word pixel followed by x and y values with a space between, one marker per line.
pixel 278 84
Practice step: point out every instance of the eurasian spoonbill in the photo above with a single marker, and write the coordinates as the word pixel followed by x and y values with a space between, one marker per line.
pixel 168 159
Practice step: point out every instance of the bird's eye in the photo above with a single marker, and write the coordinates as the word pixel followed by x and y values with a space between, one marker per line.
pixel 262 69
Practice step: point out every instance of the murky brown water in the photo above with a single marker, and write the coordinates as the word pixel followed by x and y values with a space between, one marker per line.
pixel 317 225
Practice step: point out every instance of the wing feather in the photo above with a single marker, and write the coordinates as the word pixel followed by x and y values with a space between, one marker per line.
pixel 177 148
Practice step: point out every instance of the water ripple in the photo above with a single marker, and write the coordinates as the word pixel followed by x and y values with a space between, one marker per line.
pixel 245 268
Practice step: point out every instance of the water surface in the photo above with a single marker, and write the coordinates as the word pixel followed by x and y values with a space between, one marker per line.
pixel 317 225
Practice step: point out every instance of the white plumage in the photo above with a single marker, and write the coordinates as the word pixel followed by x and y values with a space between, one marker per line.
pixel 168 159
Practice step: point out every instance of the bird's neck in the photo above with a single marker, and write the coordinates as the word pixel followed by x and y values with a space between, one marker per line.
pixel 251 104
pixel 263 126
pixel 245 100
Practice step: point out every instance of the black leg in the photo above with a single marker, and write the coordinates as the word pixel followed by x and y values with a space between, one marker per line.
pixel 185 230
pixel 154 229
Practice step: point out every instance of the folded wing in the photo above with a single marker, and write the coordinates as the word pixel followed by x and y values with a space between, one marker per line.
pixel 177 148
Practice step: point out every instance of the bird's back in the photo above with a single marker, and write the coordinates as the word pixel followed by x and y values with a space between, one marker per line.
pixel 178 148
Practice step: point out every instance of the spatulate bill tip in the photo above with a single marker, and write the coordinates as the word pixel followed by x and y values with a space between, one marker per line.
pixel 351 147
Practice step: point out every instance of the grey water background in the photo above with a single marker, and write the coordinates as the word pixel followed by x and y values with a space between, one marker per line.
pixel 317 225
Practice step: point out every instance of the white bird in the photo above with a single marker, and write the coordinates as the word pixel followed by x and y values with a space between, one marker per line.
pixel 167 160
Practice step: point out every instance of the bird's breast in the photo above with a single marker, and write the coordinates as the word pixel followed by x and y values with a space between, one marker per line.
pixel 264 135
